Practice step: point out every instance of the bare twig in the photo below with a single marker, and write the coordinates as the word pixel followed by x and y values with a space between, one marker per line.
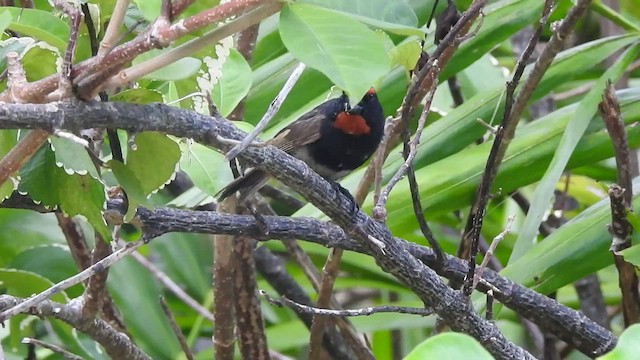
pixel 56 349
pixel 176 329
pixel 381 202
pixel 494 244
pixel 621 195
pixel 172 286
pixel 513 111
pixel 283 301
pixel 271 112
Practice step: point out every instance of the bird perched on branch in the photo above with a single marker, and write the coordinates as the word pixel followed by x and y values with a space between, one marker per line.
pixel 333 139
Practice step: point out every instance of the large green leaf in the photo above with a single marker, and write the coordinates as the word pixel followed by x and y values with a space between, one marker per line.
pixel 73 157
pixel 75 194
pixel 449 346
pixel 233 85
pixel 628 346
pixel 570 137
pixel 206 167
pixel 578 248
pixel 131 286
pixel 394 16
pixel 354 61
pixel 153 160
pixel 39 24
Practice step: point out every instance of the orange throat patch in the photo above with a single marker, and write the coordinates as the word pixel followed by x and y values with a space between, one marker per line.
pixel 351 124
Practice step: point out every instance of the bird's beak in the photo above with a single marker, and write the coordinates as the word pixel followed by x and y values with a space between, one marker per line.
pixel 356 110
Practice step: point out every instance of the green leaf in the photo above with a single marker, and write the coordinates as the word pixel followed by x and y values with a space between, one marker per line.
pixel 25 283
pixel 233 85
pixel 39 60
pixel 154 160
pixel 177 70
pixel 394 16
pixel 570 137
pixel 127 277
pixel 353 61
pixel 131 185
pixel 53 262
pixel 138 96
pixel 571 252
pixel 632 255
pixel 406 54
pixel 39 24
pixel 206 167
pixel 73 157
pixel 75 194
pixel 628 345
pixel 449 346
pixel 150 9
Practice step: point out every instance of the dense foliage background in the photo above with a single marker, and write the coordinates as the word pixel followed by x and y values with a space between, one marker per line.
pixel 561 150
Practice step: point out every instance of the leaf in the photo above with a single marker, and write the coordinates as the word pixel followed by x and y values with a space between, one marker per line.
pixel 632 255
pixel 570 137
pixel 25 283
pixel 73 157
pixel 138 96
pixel 75 194
pixel 127 277
pixel 406 54
pixel 177 70
pixel 628 345
pixel 131 185
pixel 571 252
pixel 233 85
pixel 449 346
pixel 53 262
pixel 206 167
pixel 154 160
pixel 150 9
pixel 39 60
pixel 394 16
pixel 39 24
pixel 353 61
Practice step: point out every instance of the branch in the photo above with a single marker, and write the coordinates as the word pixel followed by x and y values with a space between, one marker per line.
pixel 283 301
pixel 56 349
pixel 116 344
pixel 392 257
pixel 176 329
pixel 512 114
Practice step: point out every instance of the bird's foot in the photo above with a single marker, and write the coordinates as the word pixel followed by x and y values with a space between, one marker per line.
pixel 354 205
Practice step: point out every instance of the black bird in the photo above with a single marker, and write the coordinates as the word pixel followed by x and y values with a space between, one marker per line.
pixel 333 139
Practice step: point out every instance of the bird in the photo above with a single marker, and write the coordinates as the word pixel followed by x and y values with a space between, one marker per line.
pixel 333 139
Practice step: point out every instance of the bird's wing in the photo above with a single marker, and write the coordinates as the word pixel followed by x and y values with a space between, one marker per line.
pixel 303 131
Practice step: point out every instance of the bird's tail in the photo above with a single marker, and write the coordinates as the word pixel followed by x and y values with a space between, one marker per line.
pixel 247 185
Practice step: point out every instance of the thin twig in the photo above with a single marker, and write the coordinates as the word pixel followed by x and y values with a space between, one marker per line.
pixel 491 250
pixel 271 112
pixel 176 329
pixel 513 111
pixel 283 301
pixel 56 349
pixel 381 202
